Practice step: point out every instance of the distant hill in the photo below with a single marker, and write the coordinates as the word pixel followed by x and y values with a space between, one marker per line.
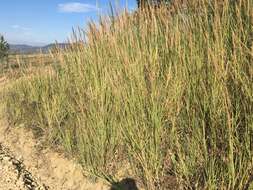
pixel 22 48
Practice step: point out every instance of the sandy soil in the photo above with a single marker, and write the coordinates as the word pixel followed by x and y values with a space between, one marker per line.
pixel 24 165
pixel 21 161
pixel 14 174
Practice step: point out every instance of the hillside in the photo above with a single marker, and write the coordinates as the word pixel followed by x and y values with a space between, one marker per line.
pixel 23 48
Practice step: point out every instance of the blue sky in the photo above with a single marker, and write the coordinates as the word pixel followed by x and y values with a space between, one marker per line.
pixel 39 22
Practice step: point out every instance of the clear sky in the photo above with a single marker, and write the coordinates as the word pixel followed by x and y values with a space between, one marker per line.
pixel 39 22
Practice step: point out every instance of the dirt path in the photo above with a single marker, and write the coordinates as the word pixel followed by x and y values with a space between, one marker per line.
pixel 24 165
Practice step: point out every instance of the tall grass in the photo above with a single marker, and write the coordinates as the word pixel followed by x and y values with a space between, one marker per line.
pixel 166 95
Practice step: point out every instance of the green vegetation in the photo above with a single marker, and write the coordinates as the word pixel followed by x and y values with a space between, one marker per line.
pixel 165 97
pixel 4 48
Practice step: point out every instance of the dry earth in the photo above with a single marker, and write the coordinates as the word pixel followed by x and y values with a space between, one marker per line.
pixel 26 166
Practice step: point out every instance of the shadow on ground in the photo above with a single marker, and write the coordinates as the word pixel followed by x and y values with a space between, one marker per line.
pixel 125 184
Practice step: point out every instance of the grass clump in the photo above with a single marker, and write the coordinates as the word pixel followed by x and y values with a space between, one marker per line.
pixel 170 93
